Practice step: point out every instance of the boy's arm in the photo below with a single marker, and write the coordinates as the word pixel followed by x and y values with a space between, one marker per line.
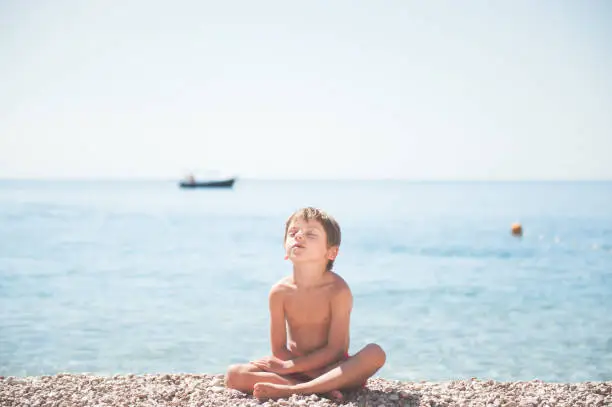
pixel 278 329
pixel 337 345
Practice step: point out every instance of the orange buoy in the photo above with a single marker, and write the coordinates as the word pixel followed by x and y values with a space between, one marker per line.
pixel 517 229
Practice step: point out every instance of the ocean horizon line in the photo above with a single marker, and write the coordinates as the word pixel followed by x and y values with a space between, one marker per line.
pixel 297 179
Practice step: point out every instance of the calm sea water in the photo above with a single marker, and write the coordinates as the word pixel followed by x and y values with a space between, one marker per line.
pixel 142 277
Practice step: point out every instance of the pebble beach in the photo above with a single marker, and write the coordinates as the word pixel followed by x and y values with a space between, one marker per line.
pixel 202 390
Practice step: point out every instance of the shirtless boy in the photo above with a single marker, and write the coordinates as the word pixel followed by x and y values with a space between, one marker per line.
pixel 309 321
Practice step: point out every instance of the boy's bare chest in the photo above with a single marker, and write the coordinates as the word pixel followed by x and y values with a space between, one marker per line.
pixel 310 307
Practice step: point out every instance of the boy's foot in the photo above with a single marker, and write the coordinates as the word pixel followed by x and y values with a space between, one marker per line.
pixel 264 391
pixel 336 395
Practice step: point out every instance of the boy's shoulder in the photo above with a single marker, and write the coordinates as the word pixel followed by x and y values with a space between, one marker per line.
pixel 282 285
pixel 340 288
pixel 332 280
pixel 337 282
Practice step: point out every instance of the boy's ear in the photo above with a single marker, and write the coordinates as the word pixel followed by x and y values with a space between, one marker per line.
pixel 332 253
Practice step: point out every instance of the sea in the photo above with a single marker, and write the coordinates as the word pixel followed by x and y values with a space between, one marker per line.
pixel 132 276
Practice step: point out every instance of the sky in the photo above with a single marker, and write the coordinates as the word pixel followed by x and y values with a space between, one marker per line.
pixel 390 89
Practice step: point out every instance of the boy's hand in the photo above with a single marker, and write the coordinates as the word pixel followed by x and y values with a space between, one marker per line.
pixel 273 364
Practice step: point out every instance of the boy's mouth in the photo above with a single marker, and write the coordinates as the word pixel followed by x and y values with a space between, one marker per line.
pixel 297 245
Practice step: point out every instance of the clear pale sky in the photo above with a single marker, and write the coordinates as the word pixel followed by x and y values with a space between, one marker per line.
pixel 427 90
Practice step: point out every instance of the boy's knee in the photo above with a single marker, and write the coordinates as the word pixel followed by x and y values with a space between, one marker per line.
pixel 377 354
pixel 232 377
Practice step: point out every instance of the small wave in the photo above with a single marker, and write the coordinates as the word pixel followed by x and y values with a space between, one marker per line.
pixel 452 251
pixel 473 253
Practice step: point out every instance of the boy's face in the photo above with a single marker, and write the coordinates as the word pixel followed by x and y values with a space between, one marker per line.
pixel 307 242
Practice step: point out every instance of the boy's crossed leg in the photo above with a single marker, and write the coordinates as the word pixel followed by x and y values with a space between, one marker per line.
pixel 244 377
pixel 350 373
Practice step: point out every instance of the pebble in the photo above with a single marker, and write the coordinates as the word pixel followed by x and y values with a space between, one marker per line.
pixel 217 382
pixel 209 390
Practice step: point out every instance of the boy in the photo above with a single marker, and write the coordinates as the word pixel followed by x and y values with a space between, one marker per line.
pixel 309 321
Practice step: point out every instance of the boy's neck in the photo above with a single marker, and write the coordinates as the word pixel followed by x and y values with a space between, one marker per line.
pixel 308 275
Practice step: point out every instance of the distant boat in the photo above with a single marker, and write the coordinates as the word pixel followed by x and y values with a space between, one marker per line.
pixel 192 183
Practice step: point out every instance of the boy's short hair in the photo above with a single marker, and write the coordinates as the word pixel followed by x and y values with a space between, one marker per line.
pixel 330 225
